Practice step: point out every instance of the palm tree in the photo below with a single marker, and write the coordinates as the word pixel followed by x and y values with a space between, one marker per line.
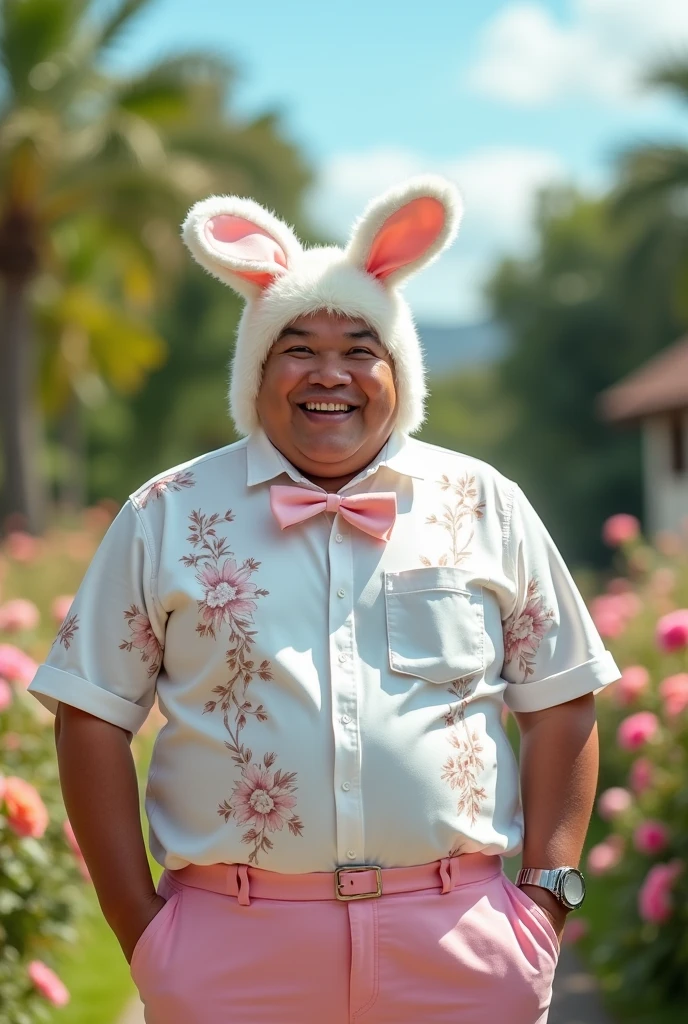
pixel 650 201
pixel 118 157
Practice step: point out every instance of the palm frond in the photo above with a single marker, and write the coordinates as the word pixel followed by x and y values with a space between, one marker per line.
pixel 648 176
pixel 35 35
pixel 672 73
pixel 119 19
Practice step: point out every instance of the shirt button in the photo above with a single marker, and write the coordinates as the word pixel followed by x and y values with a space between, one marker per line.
pixel 351 854
pixel 341 592
pixel 346 786
pixel 343 657
pixel 339 538
pixel 345 719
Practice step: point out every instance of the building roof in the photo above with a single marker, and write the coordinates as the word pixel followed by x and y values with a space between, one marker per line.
pixel 660 385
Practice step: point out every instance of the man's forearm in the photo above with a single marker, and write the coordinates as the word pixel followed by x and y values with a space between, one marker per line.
pixel 559 767
pixel 100 791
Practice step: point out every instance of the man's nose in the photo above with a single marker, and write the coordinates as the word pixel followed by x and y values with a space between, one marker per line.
pixel 329 373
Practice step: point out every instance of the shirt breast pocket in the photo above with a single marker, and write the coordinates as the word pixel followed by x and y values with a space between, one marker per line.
pixel 435 622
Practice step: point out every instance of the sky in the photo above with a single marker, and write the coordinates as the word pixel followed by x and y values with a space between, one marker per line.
pixel 501 97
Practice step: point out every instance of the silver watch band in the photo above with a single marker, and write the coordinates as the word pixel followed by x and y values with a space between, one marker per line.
pixel 553 879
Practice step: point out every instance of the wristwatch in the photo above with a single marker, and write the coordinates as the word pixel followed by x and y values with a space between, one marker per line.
pixel 567 883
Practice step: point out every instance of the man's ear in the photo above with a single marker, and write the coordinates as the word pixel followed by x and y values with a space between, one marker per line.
pixel 406 229
pixel 239 242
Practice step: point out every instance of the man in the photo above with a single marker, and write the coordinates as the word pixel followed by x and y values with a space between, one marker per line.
pixel 333 615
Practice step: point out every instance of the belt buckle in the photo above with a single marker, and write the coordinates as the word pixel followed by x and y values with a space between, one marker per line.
pixel 358 896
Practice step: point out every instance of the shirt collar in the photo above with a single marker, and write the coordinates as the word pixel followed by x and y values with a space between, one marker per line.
pixel 265 462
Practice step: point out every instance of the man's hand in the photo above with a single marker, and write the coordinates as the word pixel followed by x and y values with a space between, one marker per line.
pixel 551 906
pixel 129 933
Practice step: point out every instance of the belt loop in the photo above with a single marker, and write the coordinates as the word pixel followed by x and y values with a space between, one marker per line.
pixel 445 868
pixel 244 888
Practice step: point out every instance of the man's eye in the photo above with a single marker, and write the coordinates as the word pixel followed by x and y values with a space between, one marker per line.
pixel 361 350
pixel 298 349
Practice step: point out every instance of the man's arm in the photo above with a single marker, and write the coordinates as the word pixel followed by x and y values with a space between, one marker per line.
pixel 100 792
pixel 559 765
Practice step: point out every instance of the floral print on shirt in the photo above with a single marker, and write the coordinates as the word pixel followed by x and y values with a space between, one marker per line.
pixel 261 798
pixel 173 482
pixel 143 639
pixel 65 633
pixel 456 518
pixel 524 630
pixel 462 770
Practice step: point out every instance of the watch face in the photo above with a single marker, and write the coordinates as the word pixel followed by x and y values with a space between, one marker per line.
pixel 573 888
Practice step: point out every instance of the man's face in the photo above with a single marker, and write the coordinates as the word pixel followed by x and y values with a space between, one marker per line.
pixel 327 400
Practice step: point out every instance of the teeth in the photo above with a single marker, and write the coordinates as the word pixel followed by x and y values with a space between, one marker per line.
pixel 327 407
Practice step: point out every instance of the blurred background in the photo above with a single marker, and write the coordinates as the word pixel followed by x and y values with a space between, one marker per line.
pixel 556 332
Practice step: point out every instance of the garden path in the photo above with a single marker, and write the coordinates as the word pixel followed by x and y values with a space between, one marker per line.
pixel 575 996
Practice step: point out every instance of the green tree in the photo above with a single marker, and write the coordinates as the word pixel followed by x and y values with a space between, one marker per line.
pixel 118 158
pixel 575 330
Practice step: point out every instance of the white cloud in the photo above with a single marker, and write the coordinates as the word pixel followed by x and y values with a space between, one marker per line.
pixel 528 58
pixel 499 187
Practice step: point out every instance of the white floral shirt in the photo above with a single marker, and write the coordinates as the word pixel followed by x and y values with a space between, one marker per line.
pixel 330 698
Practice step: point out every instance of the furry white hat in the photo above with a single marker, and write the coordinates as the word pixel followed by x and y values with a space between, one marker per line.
pixel 259 256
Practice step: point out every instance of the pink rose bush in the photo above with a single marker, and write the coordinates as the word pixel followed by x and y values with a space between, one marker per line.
pixel 637 863
pixel 44 880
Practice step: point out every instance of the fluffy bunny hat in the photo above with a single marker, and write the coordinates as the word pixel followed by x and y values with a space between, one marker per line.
pixel 259 256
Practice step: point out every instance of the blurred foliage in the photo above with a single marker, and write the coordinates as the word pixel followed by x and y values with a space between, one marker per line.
pixel 96 174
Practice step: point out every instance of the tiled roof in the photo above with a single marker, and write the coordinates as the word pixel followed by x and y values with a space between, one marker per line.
pixel 660 385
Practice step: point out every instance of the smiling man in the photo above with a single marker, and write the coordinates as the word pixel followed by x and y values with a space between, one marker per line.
pixel 333 616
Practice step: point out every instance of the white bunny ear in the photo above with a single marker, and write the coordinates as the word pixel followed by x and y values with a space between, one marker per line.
pixel 239 242
pixel 406 228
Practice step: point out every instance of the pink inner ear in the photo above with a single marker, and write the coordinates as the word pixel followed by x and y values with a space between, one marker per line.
pixel 405 236
pixel 241 239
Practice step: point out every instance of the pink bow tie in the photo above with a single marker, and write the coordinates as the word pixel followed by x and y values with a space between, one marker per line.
pixel 374 513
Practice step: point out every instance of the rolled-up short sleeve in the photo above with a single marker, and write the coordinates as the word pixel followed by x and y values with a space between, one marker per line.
pixel 108 652
pixel 552 650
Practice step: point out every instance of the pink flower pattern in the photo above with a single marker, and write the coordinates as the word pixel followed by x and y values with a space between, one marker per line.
pixel 261 798
pixel 143 639
pixel 65 633
pixel 462 769
pixel 173 482
pixel 524 630
pixel 452 518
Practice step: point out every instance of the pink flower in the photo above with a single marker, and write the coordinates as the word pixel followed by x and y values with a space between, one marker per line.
pixel 633 681
pixel 650 837
pixel 48 983
pixel 25 811
pixel 15 665
pixel 619 585
pixel 674 692
pixel 620 529
pixel 613 802
pixel 59 609
pixel 672 631
pixel 11 741
pixel 654 897
pixel 2 788
pixel 261 799
pixel 76 850
pixel 22 547
pixel 641 775
pixel 5 694
pixel 609 614
pixel 227 594
pixel 18 615
pixel 142 638
pixel 574 930
pixel 525 628
pixel 663 581
pixel 605 855
pixel 636 730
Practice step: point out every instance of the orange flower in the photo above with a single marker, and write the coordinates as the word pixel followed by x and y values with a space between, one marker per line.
pixel 26 812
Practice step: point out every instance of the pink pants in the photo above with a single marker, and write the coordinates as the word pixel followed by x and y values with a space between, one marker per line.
pixel 481 952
